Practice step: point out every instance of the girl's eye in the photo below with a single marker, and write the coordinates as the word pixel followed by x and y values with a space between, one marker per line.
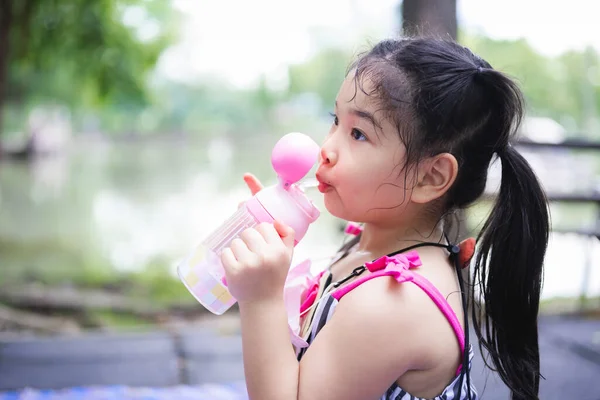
pixel 358 135
pixel 335 119
pixel 355 133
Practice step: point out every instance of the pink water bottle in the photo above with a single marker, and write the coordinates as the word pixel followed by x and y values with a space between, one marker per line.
pixel 202 273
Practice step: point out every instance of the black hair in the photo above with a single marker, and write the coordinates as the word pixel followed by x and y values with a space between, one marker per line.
pixel 444 99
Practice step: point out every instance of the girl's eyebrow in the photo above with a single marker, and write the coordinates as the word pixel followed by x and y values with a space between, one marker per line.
pixel 364 115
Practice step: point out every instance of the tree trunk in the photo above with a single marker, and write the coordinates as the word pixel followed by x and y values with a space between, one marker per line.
pixel 429 18
pixel 5 26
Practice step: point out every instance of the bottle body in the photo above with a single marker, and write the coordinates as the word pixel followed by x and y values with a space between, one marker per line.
pixel 202 272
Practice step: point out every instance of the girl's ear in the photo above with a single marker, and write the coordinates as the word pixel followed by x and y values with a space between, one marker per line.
pixel 436 176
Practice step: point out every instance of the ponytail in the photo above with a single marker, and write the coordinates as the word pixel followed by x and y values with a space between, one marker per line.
pixel 508 269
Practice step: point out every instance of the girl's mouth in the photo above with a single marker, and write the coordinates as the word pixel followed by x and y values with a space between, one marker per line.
pixel 323 187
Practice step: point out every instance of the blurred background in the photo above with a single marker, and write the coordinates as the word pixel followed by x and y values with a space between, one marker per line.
pixel 126 126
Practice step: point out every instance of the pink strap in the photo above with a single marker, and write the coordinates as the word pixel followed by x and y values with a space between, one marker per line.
pixel 399 267
pixel 440 301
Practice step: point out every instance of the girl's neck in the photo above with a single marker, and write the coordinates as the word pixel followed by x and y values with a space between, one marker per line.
pixel 378 240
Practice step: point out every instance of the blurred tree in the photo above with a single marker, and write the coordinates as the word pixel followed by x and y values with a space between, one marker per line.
pixel 565 88
pixel 79 52
pixel 322 74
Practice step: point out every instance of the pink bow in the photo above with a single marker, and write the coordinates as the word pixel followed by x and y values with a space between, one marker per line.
pixel 402 261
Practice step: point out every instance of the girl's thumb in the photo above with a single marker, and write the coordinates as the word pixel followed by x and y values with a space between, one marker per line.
pixel 286 233
pixel 253 183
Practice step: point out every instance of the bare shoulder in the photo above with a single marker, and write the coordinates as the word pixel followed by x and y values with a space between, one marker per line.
pixel 360 336
pixel 394 331
pixel 406 320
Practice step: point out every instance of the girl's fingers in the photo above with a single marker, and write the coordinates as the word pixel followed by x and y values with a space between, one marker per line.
pixel 269 233
pixel 228 259
pixel 240 250
pixel 253 183
pixel 286 233
pixel 253 240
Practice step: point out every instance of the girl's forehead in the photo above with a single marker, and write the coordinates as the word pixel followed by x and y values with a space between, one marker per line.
pixel 354 91
pixel 360 101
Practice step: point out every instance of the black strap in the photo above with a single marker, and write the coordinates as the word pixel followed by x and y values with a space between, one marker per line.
pixel 452 248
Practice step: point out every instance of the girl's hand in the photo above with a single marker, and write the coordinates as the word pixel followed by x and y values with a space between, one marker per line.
pixel 256 264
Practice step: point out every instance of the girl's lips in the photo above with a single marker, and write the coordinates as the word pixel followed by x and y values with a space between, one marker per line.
pixel 323 187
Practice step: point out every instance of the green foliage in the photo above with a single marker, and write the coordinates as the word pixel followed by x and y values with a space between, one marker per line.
pixel 80 52
pixel 97 58
pixel 554 87
pixel 158 285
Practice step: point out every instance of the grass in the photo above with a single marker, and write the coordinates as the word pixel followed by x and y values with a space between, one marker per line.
pixel 118 321
pixel 568 305
pixel 55 263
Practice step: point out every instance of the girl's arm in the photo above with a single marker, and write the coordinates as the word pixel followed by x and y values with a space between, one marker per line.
pixel 359 353
pixel 270 363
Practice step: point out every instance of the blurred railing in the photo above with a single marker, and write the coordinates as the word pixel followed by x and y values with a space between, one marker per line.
pixel 574 198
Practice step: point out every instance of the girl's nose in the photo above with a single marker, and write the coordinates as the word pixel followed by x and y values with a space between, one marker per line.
pixel 328 157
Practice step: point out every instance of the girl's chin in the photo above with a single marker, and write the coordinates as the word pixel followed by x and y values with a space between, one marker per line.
pixel 335 207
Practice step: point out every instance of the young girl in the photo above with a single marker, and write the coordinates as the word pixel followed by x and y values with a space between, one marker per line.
pixel 416 124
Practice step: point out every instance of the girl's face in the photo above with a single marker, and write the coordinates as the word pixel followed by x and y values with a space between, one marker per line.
pixel 361 165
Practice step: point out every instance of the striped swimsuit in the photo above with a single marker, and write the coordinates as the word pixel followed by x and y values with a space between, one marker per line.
pixel 399 267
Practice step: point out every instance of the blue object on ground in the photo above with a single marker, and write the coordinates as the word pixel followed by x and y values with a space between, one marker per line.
pixel 232 391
